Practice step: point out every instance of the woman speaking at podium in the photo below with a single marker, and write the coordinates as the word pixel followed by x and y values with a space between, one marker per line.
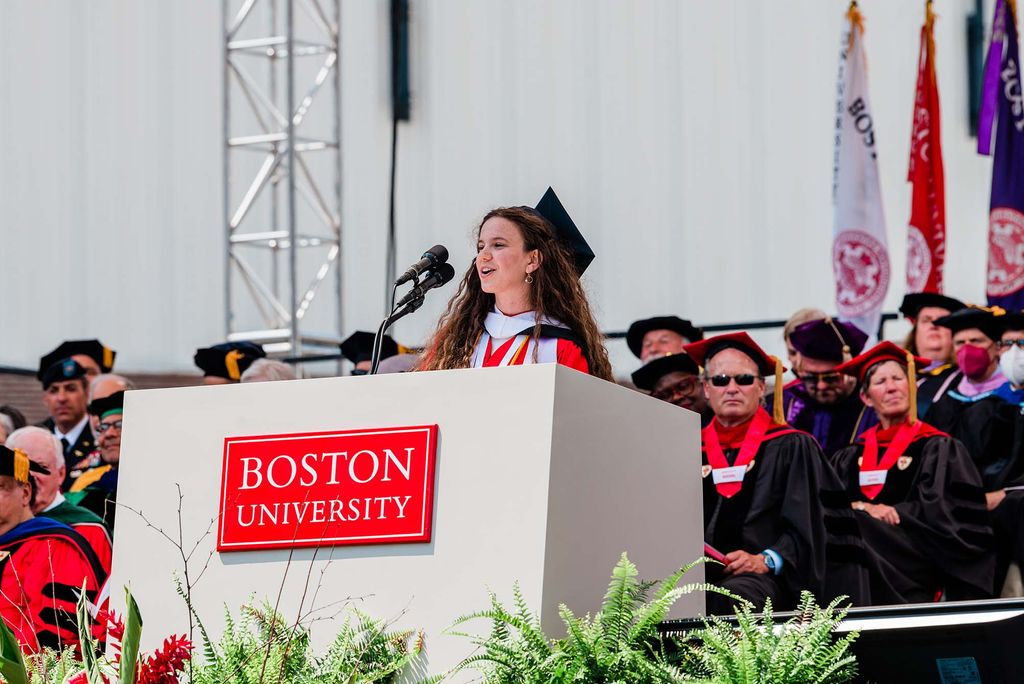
pixel 521 301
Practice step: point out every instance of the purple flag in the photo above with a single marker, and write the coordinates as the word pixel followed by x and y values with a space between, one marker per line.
pixel 1006 217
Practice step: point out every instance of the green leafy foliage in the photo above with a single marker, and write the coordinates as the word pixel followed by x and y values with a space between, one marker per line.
pixel 12 665
pixel 755 651
pixel 130 640
pixel 260 646
pixel 619 644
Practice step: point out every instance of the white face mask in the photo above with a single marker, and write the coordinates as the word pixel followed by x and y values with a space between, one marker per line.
pixel 1012 365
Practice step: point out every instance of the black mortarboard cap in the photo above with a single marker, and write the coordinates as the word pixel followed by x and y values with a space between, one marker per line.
pixel 915 301
pixel 637 330
pixel 565 230
pixel 647 376
pixel 1013 320
pixel 16 463
pixel 65 369
pixel 988 321
pixel 112 402
pixel 359 346
pixel 228 360
pixel 825 339
pixel 94 349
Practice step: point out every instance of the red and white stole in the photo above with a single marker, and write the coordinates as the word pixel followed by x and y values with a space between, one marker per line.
pixel 873 472
pixel 729 479
pixel 503 342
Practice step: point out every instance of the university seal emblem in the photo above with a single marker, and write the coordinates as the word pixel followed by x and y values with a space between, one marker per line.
pixel 861 265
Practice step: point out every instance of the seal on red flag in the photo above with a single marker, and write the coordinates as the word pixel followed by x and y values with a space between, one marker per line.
pixel 861 265
pixel 919 260
pixel 1005 252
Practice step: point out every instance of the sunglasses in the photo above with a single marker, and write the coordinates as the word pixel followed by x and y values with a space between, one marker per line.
pixel 743 379
pixel 812 379
pixel 1006 344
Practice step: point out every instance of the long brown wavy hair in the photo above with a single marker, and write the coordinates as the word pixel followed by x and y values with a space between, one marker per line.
pixel 556 292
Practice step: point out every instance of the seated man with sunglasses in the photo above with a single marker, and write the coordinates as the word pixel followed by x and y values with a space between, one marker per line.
pixel 768 491
pixel 822 401
pixel 675 378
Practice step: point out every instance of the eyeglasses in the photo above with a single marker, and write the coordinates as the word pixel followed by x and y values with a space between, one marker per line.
pixel 103 427
pixel 812 379
pixel 743 379
pixel 1006 344
pixel 684 386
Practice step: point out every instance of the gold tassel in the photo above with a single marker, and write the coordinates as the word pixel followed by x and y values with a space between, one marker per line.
pixel 231 364
pixel 20 466
pixel 777 414
pixel 912 386
pixel 856 22
pixel 108 358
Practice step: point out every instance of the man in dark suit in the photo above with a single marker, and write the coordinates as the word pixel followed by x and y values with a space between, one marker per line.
pixel 65 395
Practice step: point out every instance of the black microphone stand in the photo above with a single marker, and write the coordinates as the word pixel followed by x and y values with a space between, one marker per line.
pixel 378 341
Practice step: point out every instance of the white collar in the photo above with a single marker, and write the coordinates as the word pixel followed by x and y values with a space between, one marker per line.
pixel 500 327
pixel 74 433
pixel 57 501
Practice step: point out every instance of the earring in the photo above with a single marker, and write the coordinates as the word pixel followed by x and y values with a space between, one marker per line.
pixel 529 278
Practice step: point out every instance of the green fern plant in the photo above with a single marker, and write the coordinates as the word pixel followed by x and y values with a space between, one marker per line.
pixel 260 646
pixel 618 644
pixel 756 651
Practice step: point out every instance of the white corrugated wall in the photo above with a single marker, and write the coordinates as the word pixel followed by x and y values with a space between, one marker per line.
pixel 692 141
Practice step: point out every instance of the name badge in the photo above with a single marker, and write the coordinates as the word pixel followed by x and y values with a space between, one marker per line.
pixel 733 474
pixel 873 477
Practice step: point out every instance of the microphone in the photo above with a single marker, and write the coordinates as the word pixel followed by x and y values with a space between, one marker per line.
pixel 438 277
pixel 433 257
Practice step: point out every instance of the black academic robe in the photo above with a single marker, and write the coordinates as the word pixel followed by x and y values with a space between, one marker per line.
pixel 836 426
pixel 79 451
pixel 790 502
pixel 984 426
pixel 1008 516
pixel 943 541
pixel 932 384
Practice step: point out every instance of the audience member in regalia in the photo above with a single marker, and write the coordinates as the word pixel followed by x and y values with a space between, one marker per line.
pixel 1005 484
pixel 774 513
pixel 46 564
pixel 521 301
pixel 932 342
pixel 651 338
pixel 970 410
pixel 357 348
pixel 96 487
pixel 675 378
pixel 43 449
pixel 918 498
pixel 824 402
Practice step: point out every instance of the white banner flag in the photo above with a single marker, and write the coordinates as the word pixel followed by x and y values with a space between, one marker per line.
pixel 860 250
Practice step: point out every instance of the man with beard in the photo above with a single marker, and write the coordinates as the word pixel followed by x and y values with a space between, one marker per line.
pixel 822 401
pixel 675 378
pixel 774 512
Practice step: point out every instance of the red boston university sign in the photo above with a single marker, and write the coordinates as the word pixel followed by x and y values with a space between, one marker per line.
pixel 327 488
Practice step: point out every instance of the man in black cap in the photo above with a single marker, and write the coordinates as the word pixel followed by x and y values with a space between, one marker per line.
pixel 933 342
pixel 96 487
pixel 358 349
pixel 653 337
pixel 822 401
pixel 92 355
pixel 65 396
pixel 223 364
pixel 675 378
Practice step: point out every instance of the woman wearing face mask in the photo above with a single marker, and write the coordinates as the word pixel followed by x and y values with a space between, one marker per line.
pixel 521 300
pixel 916 494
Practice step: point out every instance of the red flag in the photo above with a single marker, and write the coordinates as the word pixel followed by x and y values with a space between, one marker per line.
pixel 926 234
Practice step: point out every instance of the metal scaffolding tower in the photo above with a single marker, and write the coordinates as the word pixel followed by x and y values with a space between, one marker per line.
pixel 282 174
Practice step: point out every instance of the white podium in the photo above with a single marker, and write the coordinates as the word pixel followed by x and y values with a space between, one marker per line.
pixel 543 476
